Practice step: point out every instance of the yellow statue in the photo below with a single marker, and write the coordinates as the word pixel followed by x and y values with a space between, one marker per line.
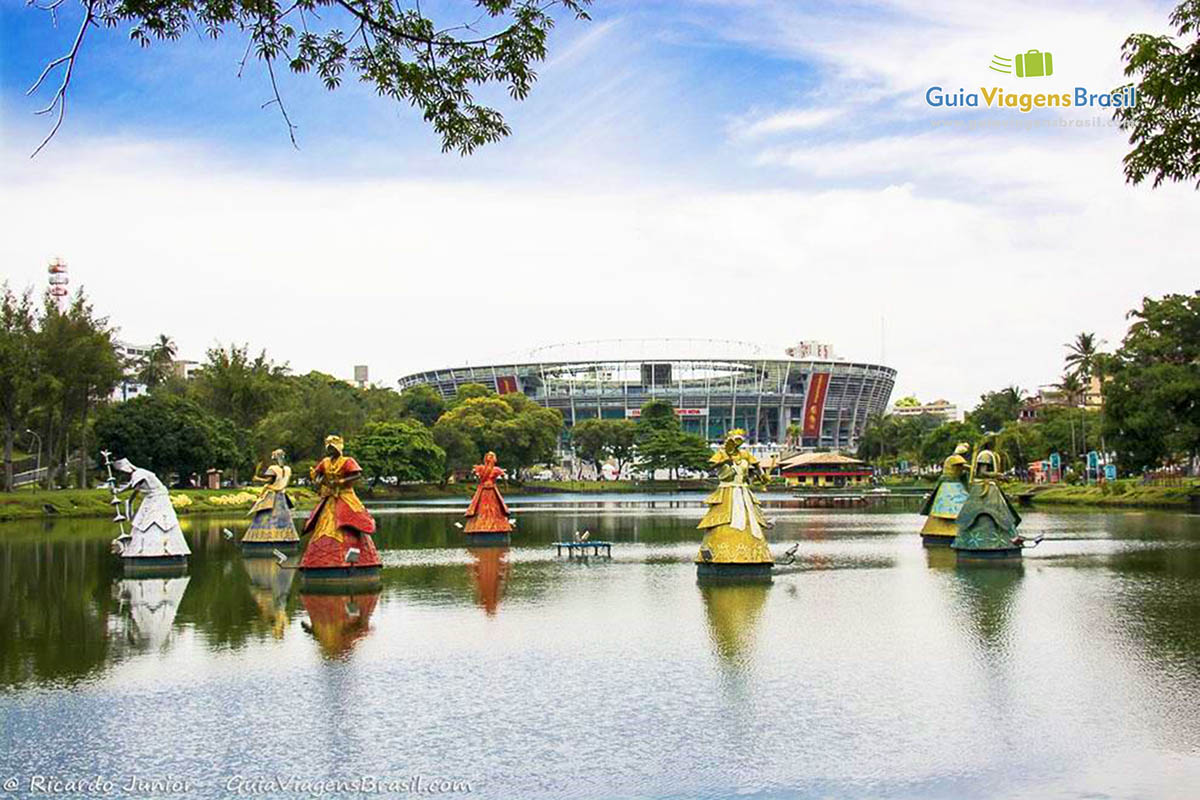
pixel 735 539
pixel 947 498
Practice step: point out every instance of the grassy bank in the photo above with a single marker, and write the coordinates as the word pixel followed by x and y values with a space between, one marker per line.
pixel 29 504
pixel 1128 493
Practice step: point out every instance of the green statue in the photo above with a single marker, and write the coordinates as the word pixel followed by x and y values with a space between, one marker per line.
pixel 987 522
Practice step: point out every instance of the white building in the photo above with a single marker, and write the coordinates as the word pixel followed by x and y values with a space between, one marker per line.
pixel 942 409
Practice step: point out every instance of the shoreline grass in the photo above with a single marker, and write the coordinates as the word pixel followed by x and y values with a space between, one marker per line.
pixel 34 503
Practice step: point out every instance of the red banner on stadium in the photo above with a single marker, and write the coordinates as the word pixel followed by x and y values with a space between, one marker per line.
pixel 506 384
pixel 814 404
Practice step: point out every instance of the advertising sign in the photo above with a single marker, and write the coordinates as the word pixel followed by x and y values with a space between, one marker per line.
pixel 814 404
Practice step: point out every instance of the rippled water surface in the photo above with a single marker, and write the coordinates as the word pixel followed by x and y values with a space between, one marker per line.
pixel 870 668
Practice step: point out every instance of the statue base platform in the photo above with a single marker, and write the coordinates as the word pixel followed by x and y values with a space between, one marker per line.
pixel 154 565
pixel 340 578
pixel 488 538
pixel 965 554
pixel 717 571
pixel 936 539
pixel 266 549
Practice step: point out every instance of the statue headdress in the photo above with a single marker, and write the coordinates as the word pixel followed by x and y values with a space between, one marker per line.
pixel 336 442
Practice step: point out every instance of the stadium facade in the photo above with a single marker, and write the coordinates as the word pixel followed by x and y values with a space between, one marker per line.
pixel 715 385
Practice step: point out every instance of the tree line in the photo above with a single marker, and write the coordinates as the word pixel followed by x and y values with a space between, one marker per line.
pixel 1150 415
pixel 60 370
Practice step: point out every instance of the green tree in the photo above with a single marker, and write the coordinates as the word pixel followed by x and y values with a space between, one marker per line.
pixel 1083 356
pixel 596 440
pixel 1020 443
pixel 403 450
pixel 470 391
pixel 907 402
pixel 388 44
pixel 168 435
pixel 311 407
pixel 997 408
pixel 157 366
pixel 1164 124
pixel 17 362
pixel 455 438
pixel 589 438
pixel 422 402
pixel 382 404
pixel 940 442
pixel 1152 396
pixel 234 385
pixel 662 445
pixel 519 431
pixel 77 369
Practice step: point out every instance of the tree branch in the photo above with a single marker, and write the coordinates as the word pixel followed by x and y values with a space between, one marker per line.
pixel 60 96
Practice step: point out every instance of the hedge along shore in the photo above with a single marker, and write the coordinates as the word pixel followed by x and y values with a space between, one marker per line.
pixel 1125 493
pixel 25 504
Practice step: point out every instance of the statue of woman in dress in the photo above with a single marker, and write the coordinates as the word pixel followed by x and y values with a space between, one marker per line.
pixel 272 524
pixel 155 536
pixel 988 520
pixel 340 525
pixel 488 513
pixel 735 528
pixel 947 498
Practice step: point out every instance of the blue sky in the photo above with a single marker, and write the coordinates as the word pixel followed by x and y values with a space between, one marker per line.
pixel 750 170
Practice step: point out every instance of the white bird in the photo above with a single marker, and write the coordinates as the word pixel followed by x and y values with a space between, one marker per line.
pixel 458 525
pixel 228 533
pixel 281 556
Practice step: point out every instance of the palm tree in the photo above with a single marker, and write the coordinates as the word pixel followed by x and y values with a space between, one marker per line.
pixel 1072 386
pixel 1082 355
pixel 156 367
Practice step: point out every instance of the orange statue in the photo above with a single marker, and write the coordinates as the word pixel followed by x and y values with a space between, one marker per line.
pixel 488 513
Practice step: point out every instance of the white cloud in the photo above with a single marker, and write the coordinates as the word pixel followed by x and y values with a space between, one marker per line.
pixel 799 119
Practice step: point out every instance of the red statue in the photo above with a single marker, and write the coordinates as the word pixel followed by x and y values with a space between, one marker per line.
pixel 488 512
pixel 340 525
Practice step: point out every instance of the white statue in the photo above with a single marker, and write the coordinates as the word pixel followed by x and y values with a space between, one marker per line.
pixel 155 532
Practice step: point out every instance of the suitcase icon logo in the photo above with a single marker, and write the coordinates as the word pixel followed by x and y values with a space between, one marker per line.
pixel 1030 64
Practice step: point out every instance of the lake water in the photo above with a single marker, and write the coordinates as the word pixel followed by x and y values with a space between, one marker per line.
pixel 870 668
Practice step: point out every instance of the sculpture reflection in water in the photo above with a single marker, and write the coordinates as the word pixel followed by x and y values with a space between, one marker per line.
pixel 733 611
pixel 269 586
pixel 983 595
pixel 489 570
pixel 151 605
pixel 339 621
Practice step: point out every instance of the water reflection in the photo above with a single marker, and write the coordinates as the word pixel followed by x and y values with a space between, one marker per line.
pixel 269 586
pixel 489 571
pixel 148 607
pixel 339 621
pixel 732 611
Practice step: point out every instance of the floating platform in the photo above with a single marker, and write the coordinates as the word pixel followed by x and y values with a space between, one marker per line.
pixel 936 539
pixel 987 555
pixel 579 549
pixel 488 539
pixel 154 565
pixel 709 571
pixel 266 549
pixel 340 578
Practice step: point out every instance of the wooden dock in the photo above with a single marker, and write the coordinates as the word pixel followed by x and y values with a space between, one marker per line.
pixel 580 549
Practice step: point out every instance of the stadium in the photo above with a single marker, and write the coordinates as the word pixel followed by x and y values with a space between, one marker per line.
pixel 714 385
